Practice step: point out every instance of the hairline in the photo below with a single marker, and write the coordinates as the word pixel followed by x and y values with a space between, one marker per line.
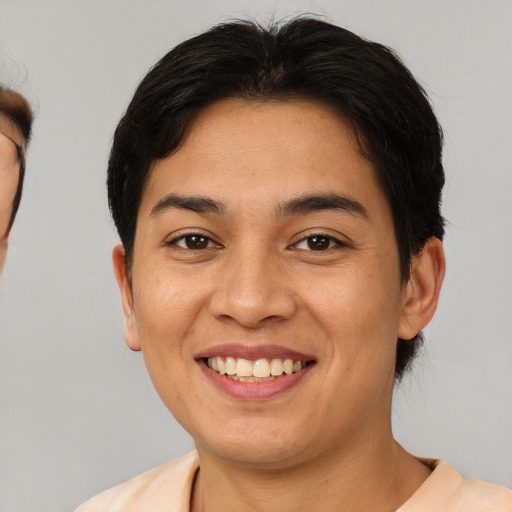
pixel 360 139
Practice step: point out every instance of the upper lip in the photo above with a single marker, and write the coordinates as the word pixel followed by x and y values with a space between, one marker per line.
pixel 253 352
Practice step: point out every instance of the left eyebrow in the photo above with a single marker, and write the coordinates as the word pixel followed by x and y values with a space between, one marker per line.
pixel 317 202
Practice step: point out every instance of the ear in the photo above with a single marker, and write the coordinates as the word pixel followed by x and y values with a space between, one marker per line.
pixel 131 331
pixel 421 293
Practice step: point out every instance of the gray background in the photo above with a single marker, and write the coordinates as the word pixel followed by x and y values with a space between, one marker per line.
pixel 77 411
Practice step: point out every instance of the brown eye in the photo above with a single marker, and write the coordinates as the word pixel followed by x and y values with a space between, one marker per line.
pixel 193 241
pixel 319 243
pixel 196 242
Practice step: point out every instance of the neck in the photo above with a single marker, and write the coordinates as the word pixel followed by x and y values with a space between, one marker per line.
pixel 380 476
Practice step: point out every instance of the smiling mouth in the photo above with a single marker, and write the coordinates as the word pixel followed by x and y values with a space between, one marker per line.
pixel 260 370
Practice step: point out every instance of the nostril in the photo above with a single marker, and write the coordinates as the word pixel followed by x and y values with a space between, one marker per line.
pixel 252 299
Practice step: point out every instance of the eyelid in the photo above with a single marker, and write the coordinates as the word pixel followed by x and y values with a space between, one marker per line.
pixel 304 237
pixel 181 235
pixel 176 237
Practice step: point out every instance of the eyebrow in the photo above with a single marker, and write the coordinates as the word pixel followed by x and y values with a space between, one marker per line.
pixel 196 204
pixel 317 202
pixel 300 205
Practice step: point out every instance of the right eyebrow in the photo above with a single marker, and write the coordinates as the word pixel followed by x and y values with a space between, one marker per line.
pixel 197 204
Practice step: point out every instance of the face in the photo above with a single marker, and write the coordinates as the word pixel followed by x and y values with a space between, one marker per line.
pixel 266 246
pixel 9 175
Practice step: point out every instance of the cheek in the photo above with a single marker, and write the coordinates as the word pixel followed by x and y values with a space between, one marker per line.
pixel 358 311
pixel 166 309
pixel 9 175
pixel 8 186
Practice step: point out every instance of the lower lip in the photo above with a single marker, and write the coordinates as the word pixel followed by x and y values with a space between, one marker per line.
pixel 254 390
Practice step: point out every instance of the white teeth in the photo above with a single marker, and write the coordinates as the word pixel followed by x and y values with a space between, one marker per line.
pixel 276 367
pixel 254 371
pixel 261 368
pixel 230 365
pixel 221 364
pixel 288 366
pixel 254 379
pixel 244 368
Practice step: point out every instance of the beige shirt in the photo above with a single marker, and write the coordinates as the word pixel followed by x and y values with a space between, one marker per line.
pixel 167 488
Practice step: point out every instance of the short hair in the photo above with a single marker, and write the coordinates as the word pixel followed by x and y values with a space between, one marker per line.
pixel 364 82
pixel 16 110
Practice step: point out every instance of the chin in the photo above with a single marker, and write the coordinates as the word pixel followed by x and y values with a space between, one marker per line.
pixel 259 446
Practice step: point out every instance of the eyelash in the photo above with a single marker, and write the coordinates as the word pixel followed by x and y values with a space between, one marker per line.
pixel 332 242
pixel 183 238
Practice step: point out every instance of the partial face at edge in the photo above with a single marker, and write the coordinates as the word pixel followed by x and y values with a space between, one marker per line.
pixel 266 236
pixel 9 176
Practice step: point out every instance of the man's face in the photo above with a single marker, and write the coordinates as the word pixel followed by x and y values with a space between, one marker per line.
pixel 266 238
pixel 9 175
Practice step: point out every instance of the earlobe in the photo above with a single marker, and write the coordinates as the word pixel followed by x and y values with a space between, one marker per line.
pixel 422 291
pixel 131 332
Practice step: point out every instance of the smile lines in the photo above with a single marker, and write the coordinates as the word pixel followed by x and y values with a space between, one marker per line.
pixel 260 370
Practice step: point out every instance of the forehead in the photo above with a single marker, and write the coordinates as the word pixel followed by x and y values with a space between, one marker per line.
pixel 279 147
pixel 241 128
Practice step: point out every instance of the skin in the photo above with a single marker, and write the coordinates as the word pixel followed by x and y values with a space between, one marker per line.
pixel 325 443
pixel 9 175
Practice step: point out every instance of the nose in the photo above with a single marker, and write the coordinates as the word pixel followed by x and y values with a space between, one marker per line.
pixel 253 291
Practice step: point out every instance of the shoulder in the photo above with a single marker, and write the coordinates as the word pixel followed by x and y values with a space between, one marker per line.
pixel 446 491
pixel 483 496
pixel 165 485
